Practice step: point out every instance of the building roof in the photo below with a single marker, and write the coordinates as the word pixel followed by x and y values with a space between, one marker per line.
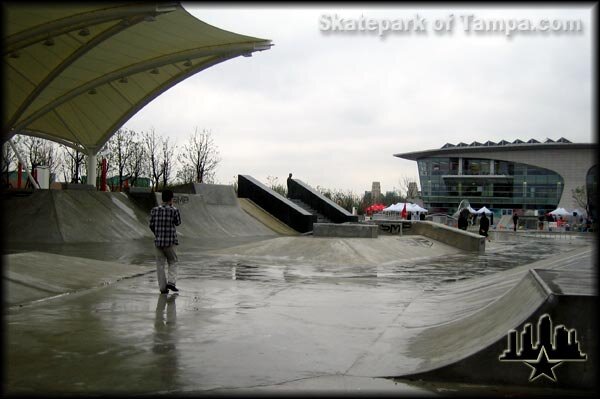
pixel 76 72
pixel 464 149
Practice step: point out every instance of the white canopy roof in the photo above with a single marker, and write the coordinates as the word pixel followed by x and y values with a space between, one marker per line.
pixel 484 209
pixel 75 72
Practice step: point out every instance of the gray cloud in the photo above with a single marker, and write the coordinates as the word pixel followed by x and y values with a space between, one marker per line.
pixel 333 108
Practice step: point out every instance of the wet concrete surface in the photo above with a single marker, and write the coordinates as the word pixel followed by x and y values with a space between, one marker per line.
pixel 268 325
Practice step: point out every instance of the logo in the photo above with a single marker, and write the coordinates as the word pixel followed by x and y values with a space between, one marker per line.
pixel 549 352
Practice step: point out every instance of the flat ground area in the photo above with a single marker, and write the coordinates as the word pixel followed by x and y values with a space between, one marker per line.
pixel 268 315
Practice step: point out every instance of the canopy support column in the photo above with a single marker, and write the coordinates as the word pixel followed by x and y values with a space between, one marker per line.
pixel 92 167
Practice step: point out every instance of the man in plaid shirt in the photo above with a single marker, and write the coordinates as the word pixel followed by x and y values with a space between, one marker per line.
pixel 163 220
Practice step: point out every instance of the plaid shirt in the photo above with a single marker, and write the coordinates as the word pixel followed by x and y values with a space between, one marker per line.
pixel 163 220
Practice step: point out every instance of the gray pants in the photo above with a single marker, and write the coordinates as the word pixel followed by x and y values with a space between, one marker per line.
pixel 168 254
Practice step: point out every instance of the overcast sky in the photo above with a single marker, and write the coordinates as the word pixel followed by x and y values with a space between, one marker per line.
pixel 333 107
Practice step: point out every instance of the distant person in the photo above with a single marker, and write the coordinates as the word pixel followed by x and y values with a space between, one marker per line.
pixel 422 216
pixel 541 222
pixel 289 186
pixel 163 220
pixel 463 219
pixel 588 224
pixel 515 221
pixel 484 226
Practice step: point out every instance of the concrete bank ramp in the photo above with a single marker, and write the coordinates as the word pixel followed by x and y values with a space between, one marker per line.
pixel 339 251
pixel 215 212
pixel 70 216
pixel 266 218
pixel 478 340
pixel 77 216
pixel 34 276
pixel 429 342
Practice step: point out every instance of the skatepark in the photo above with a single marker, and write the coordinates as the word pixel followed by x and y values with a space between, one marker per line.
pixel 276 296
pixel 262 308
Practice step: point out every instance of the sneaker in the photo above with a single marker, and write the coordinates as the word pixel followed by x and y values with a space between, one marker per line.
pixel 172 287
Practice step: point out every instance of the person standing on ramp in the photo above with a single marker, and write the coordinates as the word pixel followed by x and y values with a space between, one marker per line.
pixel 289 186
pixel 163 220
pixel 484 226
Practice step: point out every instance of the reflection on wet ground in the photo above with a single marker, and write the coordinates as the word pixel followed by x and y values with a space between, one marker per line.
pixel 506 252
pixel 238 322
pixel 425 272
pixel 135 252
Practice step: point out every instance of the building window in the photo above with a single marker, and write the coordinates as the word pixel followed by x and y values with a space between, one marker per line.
pixel 453 169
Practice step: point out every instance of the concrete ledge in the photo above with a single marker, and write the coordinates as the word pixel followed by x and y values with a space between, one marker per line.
pixel 391 226
pixel 448 235
pixel 345 230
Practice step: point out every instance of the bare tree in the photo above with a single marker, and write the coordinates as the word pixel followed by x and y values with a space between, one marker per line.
pixel 167 161
pixel 118 152
pixel 580 195
pixel 152 142
pixel 137 163
pixel 39 152
pixel 72 163
pixel 199 158
pixel 8 160
pixel 406 184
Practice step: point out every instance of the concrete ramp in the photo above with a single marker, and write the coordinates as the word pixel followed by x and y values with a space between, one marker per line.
pixel 468 349
pixel 217 194
pixel 71 216
pixel 215 213
pixel 78 216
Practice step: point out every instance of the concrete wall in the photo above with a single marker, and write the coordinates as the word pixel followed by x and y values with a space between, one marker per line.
pixel 345 230
pixel 390 226
pixel 448 235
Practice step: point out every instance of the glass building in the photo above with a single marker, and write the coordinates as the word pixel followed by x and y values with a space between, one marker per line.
pixel 507 175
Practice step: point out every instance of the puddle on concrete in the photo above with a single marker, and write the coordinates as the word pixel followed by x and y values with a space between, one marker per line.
pixel 425 272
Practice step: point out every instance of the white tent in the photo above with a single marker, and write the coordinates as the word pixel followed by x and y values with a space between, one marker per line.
pixel 471 209
pixel 418 208
pixel 484 209
pixel 410 207
pixel 561 212
pixel 400 206
pixel 394 208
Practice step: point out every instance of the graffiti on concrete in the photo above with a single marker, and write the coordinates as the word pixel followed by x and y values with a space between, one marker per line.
pixel 181 199
pixel 392 228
